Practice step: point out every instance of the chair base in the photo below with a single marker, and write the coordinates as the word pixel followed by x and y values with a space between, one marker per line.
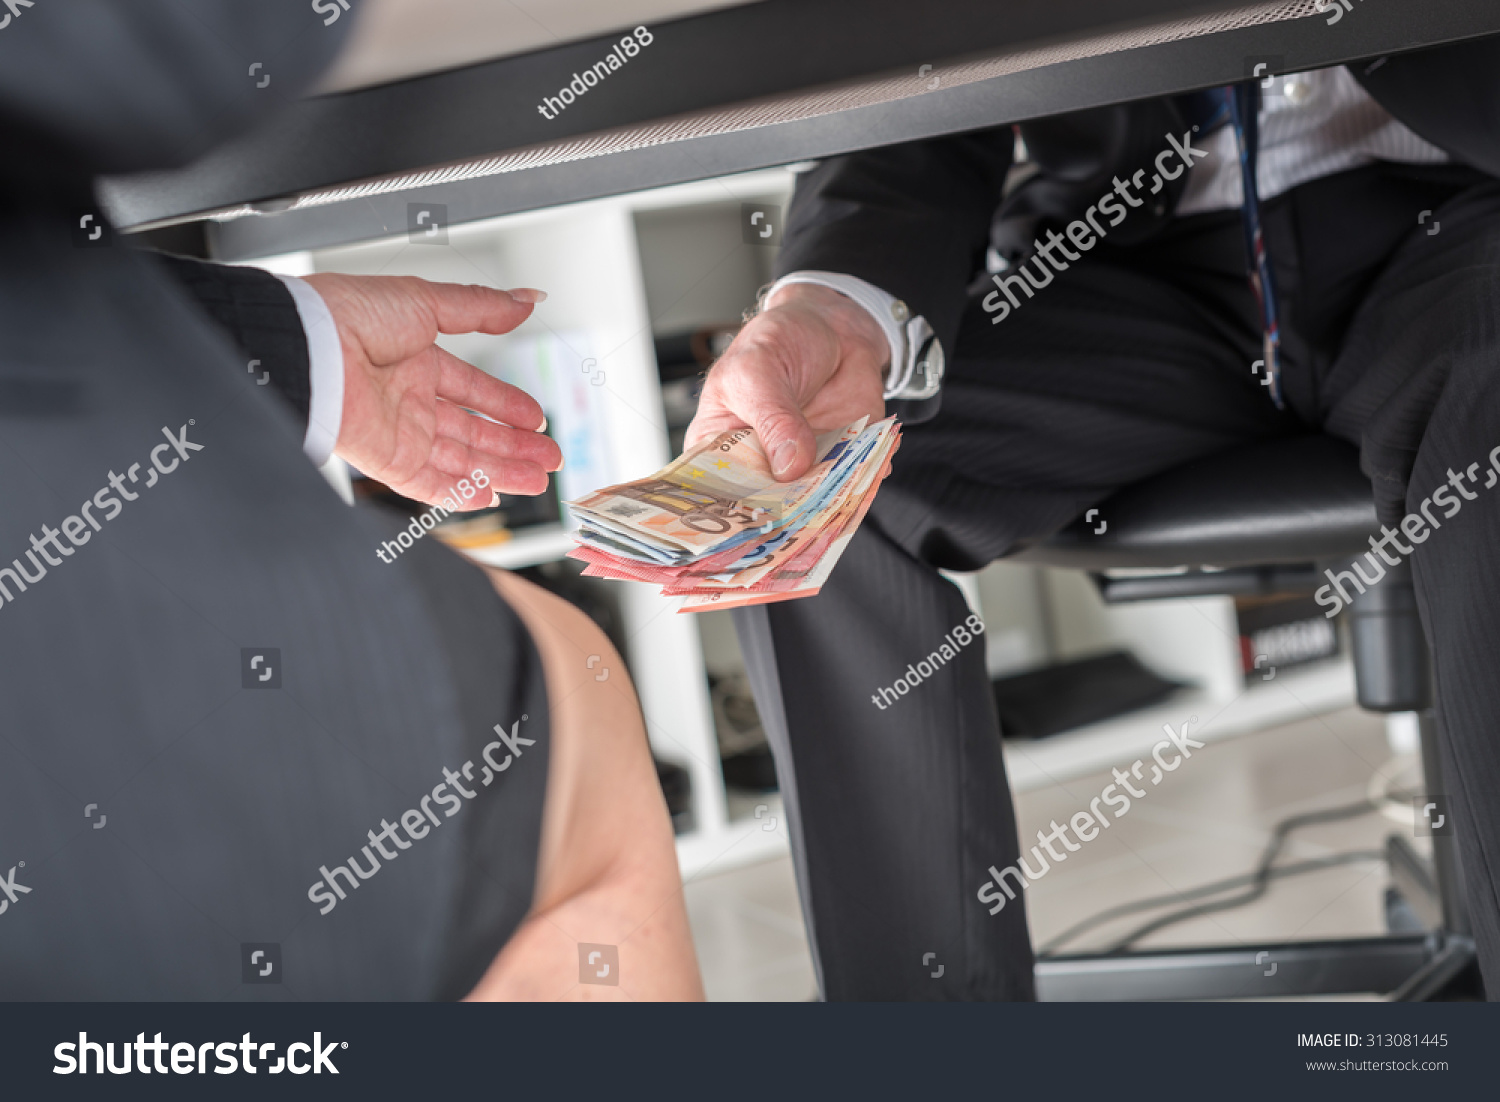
pixel 1425 966
pixel 1254 521
pixel 1410 968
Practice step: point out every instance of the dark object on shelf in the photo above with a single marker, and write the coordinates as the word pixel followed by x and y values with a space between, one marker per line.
pixel 744 754
pixel 679 400
pixel 1073 694
pixel 677 788
pixel 1280 632
pixel 753 769
pixel 693 351
pixel 682 361
pixel 521 511
pixel 514 511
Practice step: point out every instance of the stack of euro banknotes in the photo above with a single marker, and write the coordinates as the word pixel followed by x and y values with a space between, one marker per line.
pixel 715 527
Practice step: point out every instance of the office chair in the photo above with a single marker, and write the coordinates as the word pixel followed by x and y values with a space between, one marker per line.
pixel 1266 519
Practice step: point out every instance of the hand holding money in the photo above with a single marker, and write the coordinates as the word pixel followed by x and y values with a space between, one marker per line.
pixel 810 361
pixel 716 527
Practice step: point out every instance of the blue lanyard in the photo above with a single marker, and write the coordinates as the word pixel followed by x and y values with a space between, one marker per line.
pixel 1243 102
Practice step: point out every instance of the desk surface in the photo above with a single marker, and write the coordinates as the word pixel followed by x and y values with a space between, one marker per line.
pixel 735 89
pixel 401 39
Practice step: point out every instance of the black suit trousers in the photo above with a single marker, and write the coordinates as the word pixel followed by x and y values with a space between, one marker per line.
pixel 1130 362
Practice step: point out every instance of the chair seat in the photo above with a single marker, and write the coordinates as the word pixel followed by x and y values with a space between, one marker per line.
pixel 1294 500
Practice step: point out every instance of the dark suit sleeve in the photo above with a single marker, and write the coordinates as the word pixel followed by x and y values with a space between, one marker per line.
pixel 912 219
pixel 257 312
pixel 1449 95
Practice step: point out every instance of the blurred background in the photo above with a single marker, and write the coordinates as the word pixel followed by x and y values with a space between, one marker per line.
pixel 645 290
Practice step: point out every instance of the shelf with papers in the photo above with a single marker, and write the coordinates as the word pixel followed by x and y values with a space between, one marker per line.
pixel 528 547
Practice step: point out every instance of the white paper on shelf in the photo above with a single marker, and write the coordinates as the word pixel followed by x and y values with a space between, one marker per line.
pixel 561 373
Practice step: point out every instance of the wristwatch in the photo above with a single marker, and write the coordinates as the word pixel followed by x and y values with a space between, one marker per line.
pixel 917 362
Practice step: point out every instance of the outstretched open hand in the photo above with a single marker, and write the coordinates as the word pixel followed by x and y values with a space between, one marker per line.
pixel 406 419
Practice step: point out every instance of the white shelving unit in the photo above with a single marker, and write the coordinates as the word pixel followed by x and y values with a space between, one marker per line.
pixel 588 258
pixel 1293 695
pixel 1032 613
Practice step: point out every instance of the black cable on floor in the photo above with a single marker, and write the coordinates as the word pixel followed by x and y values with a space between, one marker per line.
pixel 1257 880
pixel 1352 858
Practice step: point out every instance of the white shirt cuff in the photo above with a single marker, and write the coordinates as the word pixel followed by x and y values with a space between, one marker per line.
pixel 326 370
pixel 887 310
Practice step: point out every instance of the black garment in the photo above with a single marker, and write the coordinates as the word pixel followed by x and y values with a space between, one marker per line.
pixel 1133 361
pixel 496 671
pixel 915 219
pixel 258 313
pixel 125 687
pixel 162 805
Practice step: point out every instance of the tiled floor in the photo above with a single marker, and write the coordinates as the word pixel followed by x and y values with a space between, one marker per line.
pixel 748 931
pixel 1208 820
